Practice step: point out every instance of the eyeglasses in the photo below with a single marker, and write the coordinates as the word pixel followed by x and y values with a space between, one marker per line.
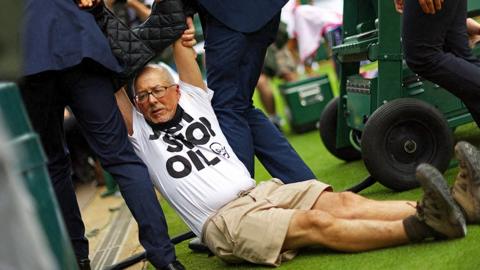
pixel 157 92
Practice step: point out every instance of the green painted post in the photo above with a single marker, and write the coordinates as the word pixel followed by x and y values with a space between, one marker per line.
pixel 389 55
pixel 30 165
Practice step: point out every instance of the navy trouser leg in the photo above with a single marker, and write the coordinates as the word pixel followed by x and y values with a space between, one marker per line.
pixel 234 61
pixel 92 101
pixel 45 103
pixel 436 47
pixel 224 52
pixel 275 152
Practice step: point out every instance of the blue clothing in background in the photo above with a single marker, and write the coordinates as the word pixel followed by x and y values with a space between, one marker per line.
pixel 58 35
pixel 244 16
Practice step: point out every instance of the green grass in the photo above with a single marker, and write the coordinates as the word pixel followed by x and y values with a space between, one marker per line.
pixel 456 254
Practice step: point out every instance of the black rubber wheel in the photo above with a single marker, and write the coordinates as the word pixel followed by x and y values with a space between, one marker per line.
pixel 328 133
pixel 402 134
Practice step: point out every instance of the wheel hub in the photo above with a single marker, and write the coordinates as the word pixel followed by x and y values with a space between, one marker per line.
pixel 410 146
pixel 410 143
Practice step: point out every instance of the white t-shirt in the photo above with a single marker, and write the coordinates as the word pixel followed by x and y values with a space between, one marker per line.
pixel 192 164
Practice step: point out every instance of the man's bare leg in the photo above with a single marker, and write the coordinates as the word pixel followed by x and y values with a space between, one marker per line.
pixel 353 206
pixel 316 227
pixel 436 216
pixel 266 94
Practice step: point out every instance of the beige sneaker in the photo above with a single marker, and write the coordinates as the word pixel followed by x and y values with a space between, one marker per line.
pixel 466 189
pixel 437 207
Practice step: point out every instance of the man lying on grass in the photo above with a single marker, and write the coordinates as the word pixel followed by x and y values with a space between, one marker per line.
pixel 174 130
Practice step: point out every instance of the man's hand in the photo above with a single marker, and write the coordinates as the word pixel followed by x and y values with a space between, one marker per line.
pixel 184 55
pixel 399 6
pixel 87 3
pixel 431 6
pixel 188 36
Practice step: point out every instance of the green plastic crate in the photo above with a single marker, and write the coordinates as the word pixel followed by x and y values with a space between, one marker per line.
pixel 305 100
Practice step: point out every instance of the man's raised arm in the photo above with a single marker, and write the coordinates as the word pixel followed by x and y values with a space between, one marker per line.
pixel 184 55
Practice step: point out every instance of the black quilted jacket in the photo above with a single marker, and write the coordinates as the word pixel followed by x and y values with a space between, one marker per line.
pixel 165 24
pixel 134 48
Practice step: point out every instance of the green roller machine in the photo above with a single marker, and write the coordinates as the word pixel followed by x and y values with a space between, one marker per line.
pixel 395 120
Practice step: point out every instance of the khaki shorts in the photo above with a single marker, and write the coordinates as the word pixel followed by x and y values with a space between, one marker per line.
pixel 253 227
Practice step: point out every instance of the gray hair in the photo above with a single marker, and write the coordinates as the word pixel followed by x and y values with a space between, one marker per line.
pixel 152 66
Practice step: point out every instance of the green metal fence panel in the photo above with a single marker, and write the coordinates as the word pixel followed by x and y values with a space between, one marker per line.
pixel 24 245
pixel 30 165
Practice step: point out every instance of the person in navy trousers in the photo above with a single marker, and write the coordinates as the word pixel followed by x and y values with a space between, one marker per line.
pixel 237 34
pixel 68 61
pixel 435 45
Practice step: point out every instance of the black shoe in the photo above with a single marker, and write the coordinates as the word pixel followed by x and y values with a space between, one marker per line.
pixel 466 189
pixel 437 207
pixel 84 264
pixel 197 246
pixel 175 265
pixel 164 26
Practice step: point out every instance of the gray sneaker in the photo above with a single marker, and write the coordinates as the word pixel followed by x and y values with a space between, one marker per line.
pixel 466 189
pixel 437 207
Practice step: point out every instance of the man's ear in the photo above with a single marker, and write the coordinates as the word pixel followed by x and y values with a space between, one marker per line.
pixel 135 103
pixel 178 91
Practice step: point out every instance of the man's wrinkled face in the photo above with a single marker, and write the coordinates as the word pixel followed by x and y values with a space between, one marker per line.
pixel 156 95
